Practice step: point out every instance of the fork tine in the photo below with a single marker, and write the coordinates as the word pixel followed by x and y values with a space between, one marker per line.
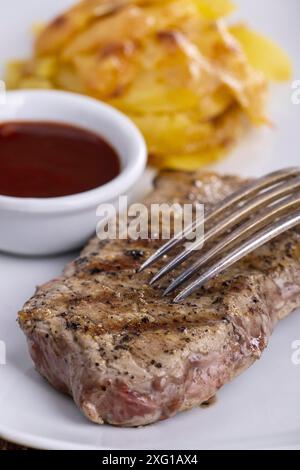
pixel 239 214
pixel 176 261
pixel 171 244
pixel 252 226
pixel 247 247
pixel 245 192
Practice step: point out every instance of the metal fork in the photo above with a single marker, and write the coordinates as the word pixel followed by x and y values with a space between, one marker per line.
pixel 255 214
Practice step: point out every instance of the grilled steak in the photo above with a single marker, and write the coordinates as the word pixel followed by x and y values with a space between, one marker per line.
pixel 130 357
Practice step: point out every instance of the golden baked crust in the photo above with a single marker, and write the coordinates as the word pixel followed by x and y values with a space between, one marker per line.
pixel 179 74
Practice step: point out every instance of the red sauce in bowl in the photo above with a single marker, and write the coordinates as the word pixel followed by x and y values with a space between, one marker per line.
pixel 46 159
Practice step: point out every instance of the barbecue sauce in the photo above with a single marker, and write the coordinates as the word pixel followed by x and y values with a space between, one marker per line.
pixel 46 159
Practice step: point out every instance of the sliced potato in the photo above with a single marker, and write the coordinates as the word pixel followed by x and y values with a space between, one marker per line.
pixel 263 54
pixel 214 9
pixel 187 161
pixel 188 81
pixel 180 133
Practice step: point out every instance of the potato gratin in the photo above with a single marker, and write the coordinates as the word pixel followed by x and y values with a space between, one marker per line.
pixel 191 82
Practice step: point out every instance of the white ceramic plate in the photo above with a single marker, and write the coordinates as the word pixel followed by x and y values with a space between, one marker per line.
pixel 261 408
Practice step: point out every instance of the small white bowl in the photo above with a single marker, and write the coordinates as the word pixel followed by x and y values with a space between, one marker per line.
pixel 44 226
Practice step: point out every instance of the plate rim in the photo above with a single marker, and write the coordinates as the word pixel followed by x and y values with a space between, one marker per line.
pixel 42 443
pixel 28 439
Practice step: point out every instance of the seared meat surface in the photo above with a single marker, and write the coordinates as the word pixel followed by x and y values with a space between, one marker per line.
pixel 130 357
